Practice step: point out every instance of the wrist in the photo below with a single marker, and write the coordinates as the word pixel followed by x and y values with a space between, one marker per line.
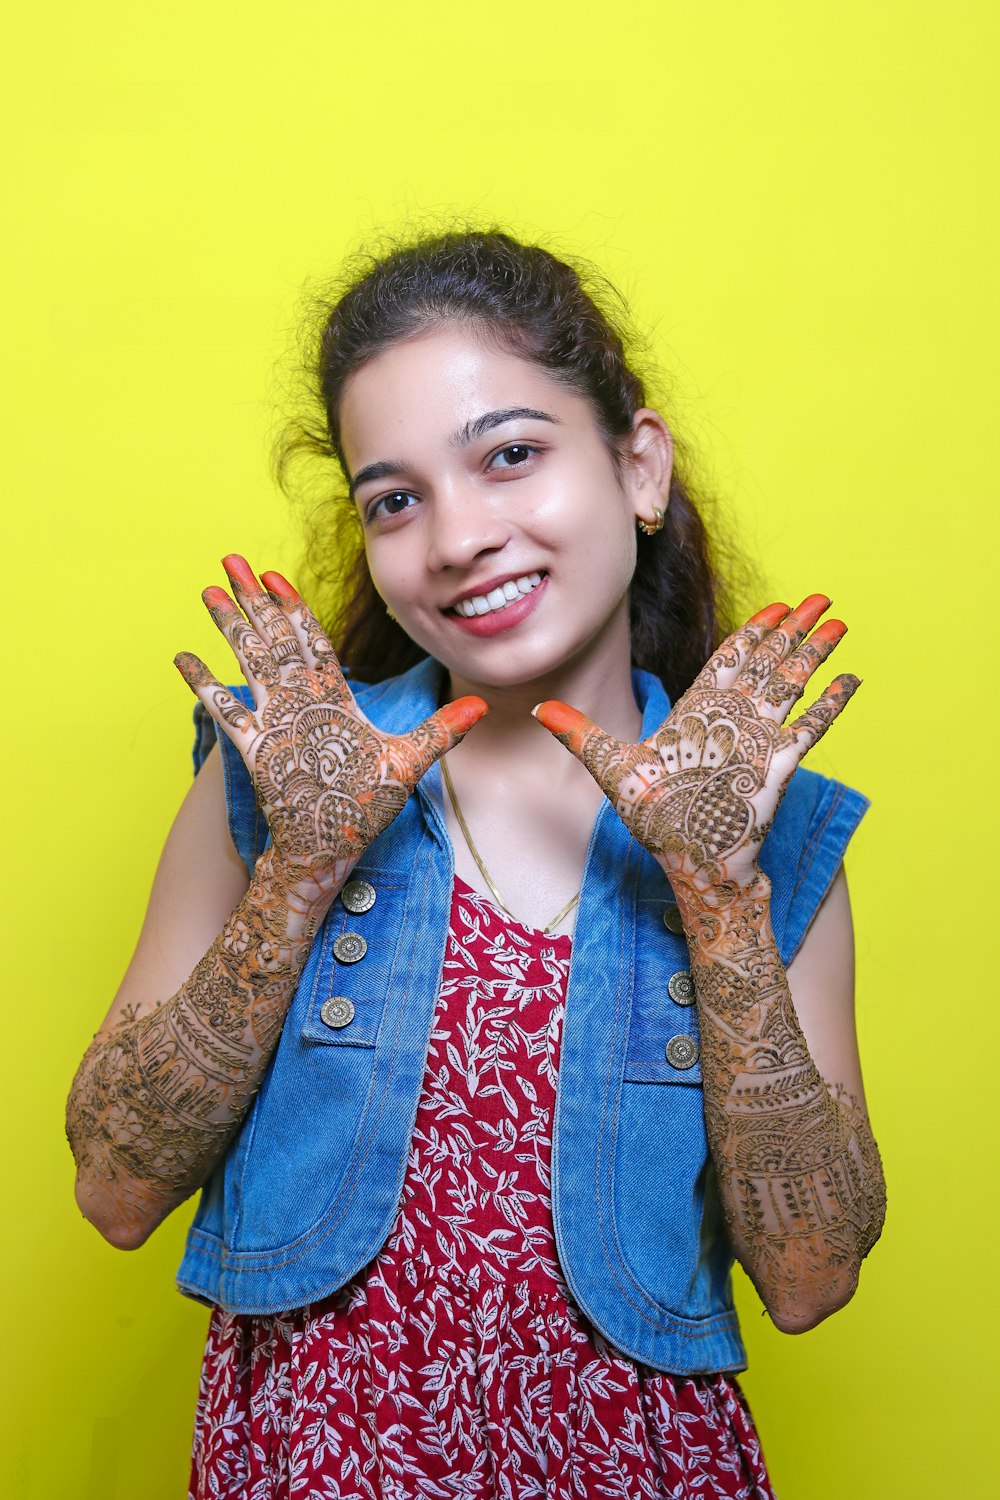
pixel 309 887
pixel 698 898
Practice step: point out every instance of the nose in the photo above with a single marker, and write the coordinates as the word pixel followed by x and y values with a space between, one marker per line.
pixel 464 525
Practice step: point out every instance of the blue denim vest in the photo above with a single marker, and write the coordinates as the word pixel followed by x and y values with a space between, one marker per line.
pixel 308 1191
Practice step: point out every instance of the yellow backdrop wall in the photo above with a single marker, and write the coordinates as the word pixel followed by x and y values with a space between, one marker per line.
pixel 797 200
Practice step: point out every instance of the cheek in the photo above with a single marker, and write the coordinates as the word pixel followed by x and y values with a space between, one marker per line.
pixel 607 541
pixel 393 575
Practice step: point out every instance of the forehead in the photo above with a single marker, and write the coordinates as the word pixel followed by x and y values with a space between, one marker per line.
pixel 422 390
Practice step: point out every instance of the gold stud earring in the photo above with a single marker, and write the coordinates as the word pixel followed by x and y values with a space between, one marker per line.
pixel 653 526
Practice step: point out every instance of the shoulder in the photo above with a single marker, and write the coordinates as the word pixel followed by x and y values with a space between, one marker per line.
pixel 805 849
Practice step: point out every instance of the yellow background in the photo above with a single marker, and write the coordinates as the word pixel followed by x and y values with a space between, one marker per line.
pixel 799 199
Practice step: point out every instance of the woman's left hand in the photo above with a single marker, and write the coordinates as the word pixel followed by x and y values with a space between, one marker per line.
pixel 700 794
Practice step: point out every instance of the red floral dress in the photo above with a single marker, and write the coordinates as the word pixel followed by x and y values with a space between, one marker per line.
pixel 457 1366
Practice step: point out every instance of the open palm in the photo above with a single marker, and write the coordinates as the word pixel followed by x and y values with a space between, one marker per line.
pixel 328 780
pixel 701 792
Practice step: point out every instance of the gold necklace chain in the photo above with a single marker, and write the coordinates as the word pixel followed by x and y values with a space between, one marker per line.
pixel 482 868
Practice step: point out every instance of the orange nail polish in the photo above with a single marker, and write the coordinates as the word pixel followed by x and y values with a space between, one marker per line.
pixel 280 586
pixel 240 572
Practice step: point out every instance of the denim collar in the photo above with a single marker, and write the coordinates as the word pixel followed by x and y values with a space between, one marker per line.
pixel 400 703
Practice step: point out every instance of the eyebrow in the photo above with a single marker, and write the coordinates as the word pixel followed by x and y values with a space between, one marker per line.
pixel 473 429
pixel 491 419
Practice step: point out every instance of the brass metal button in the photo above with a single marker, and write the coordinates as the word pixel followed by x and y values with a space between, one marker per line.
pixel 337 1011
pixel 349 948
pixel 358 896
pixel 682 1050
pixel 680 987
pixel 672 918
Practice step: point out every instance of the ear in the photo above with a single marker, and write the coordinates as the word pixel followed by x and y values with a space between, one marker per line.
pixel 651 463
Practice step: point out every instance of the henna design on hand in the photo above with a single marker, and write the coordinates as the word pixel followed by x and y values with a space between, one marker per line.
pixel 700 794
pixel 328 781
pixel 799 1171
pixel 157 1098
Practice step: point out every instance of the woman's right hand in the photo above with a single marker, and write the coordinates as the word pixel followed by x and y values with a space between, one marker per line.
pixel 329 782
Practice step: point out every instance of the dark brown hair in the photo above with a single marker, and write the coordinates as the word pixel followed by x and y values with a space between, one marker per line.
pixel 528 302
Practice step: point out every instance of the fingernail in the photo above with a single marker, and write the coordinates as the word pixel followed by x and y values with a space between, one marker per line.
pixel 560 718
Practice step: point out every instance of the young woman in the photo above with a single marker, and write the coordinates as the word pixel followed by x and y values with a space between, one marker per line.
pixel 492 1037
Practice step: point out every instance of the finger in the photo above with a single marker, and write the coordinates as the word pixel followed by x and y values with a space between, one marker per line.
pixel 229 713
pixel 256 662
pixel 811 725
pixel 788 682
pixel 267 618
pixel 778 643
pixel 417 751
pixel 582 738
pixel 317 650
pixel 724 666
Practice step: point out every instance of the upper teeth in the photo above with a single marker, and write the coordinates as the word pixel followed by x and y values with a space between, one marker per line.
pixel 500 597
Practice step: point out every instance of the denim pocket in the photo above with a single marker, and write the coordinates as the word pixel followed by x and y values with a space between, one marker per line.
pixel 347 994
pixel 668 1223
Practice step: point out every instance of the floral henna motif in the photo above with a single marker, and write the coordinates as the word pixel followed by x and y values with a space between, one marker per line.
pixel 281 592
pixel 798 1168
pixel 701 793
pixel 328 782
pixel 799 1171
pixel 157 1098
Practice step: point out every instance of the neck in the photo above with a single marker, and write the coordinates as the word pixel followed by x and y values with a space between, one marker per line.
pixel 509 736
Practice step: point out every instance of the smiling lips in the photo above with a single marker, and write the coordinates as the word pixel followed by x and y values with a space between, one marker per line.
pixel 499 598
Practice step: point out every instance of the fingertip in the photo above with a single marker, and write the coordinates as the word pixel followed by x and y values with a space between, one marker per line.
pixel 277 583
pixel 191 667
pixel 771 616
pixel 216 598
pixel 239 571
pixel 558 717
pixel 460 715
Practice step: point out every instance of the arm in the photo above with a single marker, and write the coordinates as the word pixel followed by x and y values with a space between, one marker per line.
pixel 166 1081
pixel 171 1071
pixel 799 1174
pixel 798 1169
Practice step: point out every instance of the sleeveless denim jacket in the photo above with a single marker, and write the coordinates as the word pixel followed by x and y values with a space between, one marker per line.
pixel 307 1193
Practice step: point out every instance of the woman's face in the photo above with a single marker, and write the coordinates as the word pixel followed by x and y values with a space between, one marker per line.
pixel 497 528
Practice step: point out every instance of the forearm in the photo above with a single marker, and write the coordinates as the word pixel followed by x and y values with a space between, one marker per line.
pixel 156 1100
pixel 799 1172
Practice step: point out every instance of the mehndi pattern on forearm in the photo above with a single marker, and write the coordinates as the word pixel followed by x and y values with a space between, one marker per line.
pixel 157 1097
pixel 798 1168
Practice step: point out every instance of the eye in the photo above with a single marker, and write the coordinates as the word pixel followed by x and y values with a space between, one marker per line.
pixel 512 457
pixel 389 505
